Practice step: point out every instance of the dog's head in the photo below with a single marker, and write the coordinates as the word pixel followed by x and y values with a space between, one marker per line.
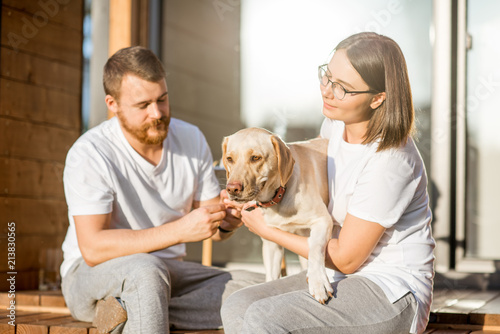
pixel 257 162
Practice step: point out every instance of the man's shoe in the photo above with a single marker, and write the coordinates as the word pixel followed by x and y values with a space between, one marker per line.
pixel 109 314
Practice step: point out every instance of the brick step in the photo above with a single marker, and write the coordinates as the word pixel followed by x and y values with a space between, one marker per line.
pixel 40 312
pixel 452 312
pixel 55 323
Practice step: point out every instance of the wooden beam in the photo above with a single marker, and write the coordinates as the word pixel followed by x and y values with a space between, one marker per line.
pixel 206 253
pixel 120 25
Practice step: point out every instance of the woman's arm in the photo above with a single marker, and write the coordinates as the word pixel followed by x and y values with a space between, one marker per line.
pixel 355 243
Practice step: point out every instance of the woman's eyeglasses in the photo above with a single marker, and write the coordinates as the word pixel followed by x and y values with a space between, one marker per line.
pixel 338 90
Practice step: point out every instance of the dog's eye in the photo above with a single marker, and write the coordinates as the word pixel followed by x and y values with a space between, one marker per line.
pixel 229 159
pixel 255 158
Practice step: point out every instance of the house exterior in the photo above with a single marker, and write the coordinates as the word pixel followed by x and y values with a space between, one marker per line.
pixel 238 63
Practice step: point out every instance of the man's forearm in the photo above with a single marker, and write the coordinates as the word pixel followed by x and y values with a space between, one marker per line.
pixel 99 243
pixel 108 244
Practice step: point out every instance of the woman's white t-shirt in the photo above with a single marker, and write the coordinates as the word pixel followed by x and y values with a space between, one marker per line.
pixel 104 174
pixel 388 188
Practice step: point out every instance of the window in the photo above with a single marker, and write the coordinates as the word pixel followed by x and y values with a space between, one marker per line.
pixel 478 147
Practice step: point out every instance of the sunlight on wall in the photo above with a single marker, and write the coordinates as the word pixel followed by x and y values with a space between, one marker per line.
pixel 284 41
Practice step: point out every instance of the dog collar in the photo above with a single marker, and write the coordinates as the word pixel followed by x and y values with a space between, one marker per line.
pixel 278 196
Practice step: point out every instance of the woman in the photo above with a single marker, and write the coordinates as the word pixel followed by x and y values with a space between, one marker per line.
pixel 381 253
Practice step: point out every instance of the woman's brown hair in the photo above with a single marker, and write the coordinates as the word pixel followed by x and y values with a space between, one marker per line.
pixel 380 62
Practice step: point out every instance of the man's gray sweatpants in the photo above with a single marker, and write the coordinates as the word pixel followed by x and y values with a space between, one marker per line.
pixel 158 294
pixel 359 306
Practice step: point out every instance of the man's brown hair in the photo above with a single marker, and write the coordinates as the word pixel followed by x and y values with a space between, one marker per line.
pixel 134 60
pixel 381 64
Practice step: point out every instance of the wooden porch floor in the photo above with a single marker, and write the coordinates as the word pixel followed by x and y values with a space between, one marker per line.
pixel 453 312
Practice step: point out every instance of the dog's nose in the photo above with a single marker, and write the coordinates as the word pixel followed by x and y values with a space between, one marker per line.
pixel 234 188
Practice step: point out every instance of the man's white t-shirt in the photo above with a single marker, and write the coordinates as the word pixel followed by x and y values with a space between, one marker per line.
pixel 104 174
pixel 388 188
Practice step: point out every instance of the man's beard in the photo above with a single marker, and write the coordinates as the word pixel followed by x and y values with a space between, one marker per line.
pixel 141 133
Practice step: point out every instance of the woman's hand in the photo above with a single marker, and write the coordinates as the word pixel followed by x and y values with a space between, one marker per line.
pixel 254 221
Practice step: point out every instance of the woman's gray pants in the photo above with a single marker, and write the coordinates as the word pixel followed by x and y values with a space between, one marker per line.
pixel 358 306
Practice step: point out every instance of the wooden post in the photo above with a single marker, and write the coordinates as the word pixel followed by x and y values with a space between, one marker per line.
pixel 206 252
pixel 283 266
pixel 120 27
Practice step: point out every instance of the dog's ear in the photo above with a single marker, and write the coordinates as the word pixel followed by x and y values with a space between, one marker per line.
pixel 224 148
pixel 285 159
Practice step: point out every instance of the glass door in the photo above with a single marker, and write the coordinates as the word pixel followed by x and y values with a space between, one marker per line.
pixel 481 132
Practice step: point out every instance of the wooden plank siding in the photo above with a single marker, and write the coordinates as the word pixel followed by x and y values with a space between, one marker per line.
pixel 24 31
pixel 200 50
pixel 40 118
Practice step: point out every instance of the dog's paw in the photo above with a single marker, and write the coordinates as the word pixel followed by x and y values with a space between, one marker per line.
pixel 320 288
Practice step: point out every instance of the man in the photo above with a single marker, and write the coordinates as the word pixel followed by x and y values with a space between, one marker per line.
pixel 138 187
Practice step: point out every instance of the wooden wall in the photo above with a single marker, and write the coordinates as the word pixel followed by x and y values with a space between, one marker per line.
pixel 200 51
pixel 40 108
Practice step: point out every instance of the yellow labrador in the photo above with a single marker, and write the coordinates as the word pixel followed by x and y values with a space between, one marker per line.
pixel 290 184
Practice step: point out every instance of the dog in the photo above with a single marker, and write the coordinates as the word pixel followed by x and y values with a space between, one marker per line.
pixel 289 183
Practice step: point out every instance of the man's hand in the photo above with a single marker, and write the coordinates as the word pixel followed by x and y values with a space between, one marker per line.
pixel 233 213
pixel 202 222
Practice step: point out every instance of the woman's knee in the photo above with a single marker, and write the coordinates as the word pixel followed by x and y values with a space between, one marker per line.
pixel 232 305
pixel 235 306
pixel 238 303
pixel 238 310
pixel 261 317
